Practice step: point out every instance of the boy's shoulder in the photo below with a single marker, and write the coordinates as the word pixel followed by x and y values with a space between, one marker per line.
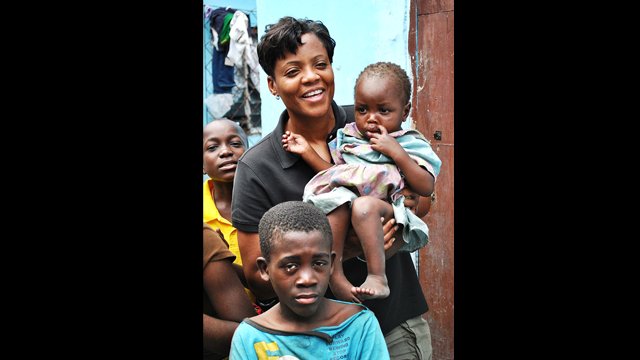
pixel 347 310
pixel 348 304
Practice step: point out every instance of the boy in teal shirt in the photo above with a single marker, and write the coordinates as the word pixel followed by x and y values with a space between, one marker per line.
pixel 295 241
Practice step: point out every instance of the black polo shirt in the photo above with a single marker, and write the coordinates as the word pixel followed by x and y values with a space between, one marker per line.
pixel 268 175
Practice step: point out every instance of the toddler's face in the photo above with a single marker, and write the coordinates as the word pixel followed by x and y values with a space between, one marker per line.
pixel 378 102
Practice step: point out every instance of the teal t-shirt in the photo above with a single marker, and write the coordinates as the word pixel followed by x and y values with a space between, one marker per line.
pixel 358 337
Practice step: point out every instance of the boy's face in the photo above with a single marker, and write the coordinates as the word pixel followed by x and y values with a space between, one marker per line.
pixel 221 150
pixel 299 270
pixel 378 102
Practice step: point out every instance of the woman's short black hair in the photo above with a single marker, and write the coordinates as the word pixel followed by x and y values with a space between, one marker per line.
pixel 285 36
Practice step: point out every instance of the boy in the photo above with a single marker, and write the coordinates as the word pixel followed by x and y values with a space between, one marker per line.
pixel 296 240
pixel 224 142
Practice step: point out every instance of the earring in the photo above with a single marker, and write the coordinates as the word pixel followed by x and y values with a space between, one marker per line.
pixel 277 97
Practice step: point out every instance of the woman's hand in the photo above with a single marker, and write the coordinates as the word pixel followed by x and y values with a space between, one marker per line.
pixel 411 199
pixel 352 247
pixel 389 229
pixel 418 205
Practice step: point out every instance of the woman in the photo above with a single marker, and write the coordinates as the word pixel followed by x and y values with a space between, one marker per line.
pixel 297 54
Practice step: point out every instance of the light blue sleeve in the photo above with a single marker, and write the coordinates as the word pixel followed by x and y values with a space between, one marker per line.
pixel 372 341
pixel 421 151
pixel 238 348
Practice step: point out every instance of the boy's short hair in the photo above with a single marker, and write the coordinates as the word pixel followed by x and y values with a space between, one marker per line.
pixel 285 36
pixel 241 133
pixel 381 69
pixel 291 216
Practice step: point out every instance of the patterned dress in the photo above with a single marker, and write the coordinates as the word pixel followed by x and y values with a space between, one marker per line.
pixel 359 170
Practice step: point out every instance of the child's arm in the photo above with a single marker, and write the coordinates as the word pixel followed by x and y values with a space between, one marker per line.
pixel 217 333
pixel 419 179
pixel 228 299
pixel 297 144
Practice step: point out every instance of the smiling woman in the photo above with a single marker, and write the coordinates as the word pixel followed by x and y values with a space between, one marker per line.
pixel 311 67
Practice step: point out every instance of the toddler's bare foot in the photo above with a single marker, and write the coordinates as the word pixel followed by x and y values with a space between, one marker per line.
pixel 374 287
pixel 341 288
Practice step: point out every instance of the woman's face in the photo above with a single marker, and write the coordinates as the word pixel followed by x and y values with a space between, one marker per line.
pixel 304 81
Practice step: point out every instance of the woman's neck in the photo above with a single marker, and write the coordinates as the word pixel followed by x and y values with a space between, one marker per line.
pixel 313 129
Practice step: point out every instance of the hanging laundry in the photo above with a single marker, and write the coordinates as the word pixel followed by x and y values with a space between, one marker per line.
pixel 235 69
pixel 219 22
pixel 218 104
pixel 226 28
pixel 244 57
pixel 243 48
pixel 222 74
pixel 207 11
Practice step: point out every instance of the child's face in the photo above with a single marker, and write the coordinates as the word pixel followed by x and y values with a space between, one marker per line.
pixel 299 270
pixel 378 102
pixel 222 148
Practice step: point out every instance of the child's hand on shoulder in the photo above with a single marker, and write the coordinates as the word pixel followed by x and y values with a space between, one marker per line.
pixel 294 143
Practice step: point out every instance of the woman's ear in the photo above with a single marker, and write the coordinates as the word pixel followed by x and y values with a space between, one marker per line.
pixel 271 83
pixel 262 266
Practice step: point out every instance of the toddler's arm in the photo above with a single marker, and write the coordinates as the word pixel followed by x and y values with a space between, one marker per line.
pixel 297 144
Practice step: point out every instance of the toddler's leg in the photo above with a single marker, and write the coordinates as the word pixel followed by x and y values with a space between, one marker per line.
pixel 365 217
pixel 340 220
